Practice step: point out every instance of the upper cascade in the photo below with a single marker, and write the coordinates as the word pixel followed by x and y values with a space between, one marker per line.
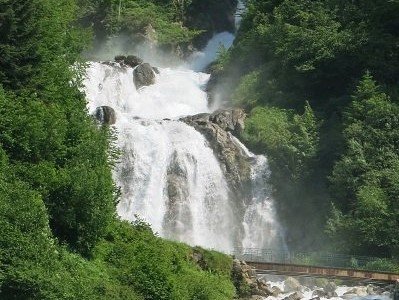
pixel 112 84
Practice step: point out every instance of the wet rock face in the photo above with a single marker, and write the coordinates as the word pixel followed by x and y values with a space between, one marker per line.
pixel 231 120
pixel 292 285
pixel 105 115
pixel 244 278
pixel 219 128
pixel 247 283
pixel 295 296
pixel 177 208
pixel 143 75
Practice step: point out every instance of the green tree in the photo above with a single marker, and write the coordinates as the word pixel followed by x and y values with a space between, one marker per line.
pixel 362 179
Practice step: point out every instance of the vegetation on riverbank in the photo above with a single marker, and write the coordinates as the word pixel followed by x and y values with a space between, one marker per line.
pixel 319 80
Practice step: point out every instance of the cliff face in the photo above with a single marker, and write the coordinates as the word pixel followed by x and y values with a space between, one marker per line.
pixel 219 129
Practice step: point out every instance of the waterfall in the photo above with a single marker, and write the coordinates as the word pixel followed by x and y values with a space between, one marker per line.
pixel 168 173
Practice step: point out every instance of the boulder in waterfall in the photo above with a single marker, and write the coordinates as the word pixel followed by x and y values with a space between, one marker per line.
pixel 177 191
pixel 332 295
pixel 133 61
pixel 330 287
pixel 130 60
pixel 329 290
pixel 319 293
pixel 262 288
pixel 105 115
pixel 218 128
pixel 349 296
pixel 321 282
pixel 276 291
pixel 120 58
pixel 143 75
pixel 156 70
pixel 295 296
pixel 292 285
pixel 360 291
pixel 232 120
pixel 370 289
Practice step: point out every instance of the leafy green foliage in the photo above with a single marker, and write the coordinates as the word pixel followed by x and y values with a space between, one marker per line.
pixel 365 173
pixel 160 269
pixel 289 52
pixel 139 17
pixel 59 236
pixel 246 94
pixel 381 264
pixel 291 140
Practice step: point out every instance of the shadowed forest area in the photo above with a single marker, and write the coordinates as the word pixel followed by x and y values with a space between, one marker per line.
pixel 320 82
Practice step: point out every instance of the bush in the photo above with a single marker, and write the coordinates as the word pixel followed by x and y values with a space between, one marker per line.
pixel 161 269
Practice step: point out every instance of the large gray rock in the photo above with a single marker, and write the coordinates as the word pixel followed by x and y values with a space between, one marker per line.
pixel 330 287
pixel 218 128
pixel 262 289
pixel 360 291
pixel 349 296
pixel 143 75
pixel 105 115
pixel 292 285
pixel 176 206
pixel 295 296
pixel 232 120
pixel 319 293
pixel 244 278
pixel 276 291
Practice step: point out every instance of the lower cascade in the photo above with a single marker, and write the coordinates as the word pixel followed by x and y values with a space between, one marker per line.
pixel 181 169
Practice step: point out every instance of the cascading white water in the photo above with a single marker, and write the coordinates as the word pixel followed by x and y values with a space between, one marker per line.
pixel 168 174
pixel 261 228
pixel 151 146
pixel 163 156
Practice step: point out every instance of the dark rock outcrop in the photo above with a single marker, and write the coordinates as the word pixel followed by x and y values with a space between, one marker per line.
pixel 295 296
pixel 105 115
pixel 330 287
pixel 143 75
pixel 219 128
pixel 130 60
pixel 156 70
pixel 262 288
pixel 319 293
pixel 244 278
pixel 177 190
pixel 292 285
pixel 231 120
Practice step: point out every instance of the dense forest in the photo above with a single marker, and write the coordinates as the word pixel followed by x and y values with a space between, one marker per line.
pixel 319 80
pixel 60 237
